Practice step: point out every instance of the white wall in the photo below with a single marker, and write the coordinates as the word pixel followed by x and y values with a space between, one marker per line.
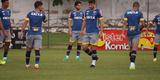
pixel 111 8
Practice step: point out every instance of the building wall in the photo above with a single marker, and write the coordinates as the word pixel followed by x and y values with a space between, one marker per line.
pixel 110 8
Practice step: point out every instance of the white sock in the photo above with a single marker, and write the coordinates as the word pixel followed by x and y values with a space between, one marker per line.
pixel 93 62
pixel 4 58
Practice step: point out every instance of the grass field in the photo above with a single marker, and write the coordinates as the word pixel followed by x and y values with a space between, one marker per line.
pixel 113 65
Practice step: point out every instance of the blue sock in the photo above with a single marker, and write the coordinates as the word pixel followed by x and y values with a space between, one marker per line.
pixel 94 55
pixel 133 56
pixel 28 54
pixel 78 50
pixel 69 50
pixel 155 52
pixel 37 53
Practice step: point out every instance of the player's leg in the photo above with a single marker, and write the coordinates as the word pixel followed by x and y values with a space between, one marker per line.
pixel 79 43
pixel 70 45
pixel 69 48
pixel 135 42
pixel 37 47
pixel 6 44
pixel 93 43
pixel 78 51
pixel 1 38
pixel 157 39
pixel 1 44
pixel 29 44
pixel 85 44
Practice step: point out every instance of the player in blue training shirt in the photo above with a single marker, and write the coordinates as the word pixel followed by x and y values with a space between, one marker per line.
pixel 34 35
pixel 93 19
pixel 133 19
pixel 157 37
pixel 5 24
pixel 75 24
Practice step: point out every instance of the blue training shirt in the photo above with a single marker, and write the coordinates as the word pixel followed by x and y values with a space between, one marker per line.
pixel 92 17
pixel 133 18
pixel 5 15
pixel 157 21
pixel 35 22
pixel 77 20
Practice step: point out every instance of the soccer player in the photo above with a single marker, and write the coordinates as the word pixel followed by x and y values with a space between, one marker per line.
pixel 35 19
pixel 75 21
pixel 157 37
pixel 91 30
pixel 135 22
pixel 5 25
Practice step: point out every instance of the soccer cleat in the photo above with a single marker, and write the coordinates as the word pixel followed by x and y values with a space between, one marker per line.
pixel 92 66
pixel 66 58
pixel 36 66
pixel 2 62
pixel 78 58
pixel 155 59
pixel 27 66
pixel 132 66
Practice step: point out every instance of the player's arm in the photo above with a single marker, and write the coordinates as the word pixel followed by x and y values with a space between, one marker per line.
pixel 1 25
pixel 101 22
pixel 24 24
pixel 83 30
pixel 70 24
pixel 142 21
pixel 125 20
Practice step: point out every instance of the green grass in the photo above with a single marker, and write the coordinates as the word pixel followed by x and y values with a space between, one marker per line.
pixel 113 65
pixel 55 39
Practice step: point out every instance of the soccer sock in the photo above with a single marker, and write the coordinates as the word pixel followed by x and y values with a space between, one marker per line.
pixel 87 50
pixel 94 57
pixel 78 50
pixel 133 56
pixel 28 54
pixel 69 50
pixel 155 52
pixel 6 49
pixel 37 60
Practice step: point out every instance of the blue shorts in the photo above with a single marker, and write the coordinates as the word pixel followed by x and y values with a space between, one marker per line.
pixel 4 38
pixel 133 40
pixel 76 37
pixel 34 41
pixel 90 39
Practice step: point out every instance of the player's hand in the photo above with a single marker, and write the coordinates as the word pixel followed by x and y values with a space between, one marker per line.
pixel 101 34
pixel 70 33
pixel 82 33
pixel 21 35
pixel 125 23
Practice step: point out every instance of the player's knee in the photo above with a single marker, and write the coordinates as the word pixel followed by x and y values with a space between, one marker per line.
pixel 7 43
pixel 155 48
pixel 37 53
pixel 78 47
pixel 69 47
pixel 28 54
pixel 87 50
pixel 29 49
pixel 133 53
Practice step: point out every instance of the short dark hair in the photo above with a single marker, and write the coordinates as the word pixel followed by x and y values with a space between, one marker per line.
pixel 77 2
pixel 37 4
pixel 4 1
pixel 136 3
pixel 92 1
